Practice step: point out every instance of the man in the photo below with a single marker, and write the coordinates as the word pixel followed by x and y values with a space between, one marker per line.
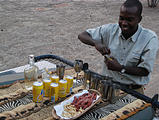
pixel 129 48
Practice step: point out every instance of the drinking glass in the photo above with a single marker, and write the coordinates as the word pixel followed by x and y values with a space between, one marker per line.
pixel 78 66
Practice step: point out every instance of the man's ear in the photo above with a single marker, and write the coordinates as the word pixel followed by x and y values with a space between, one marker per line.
pixel 140 18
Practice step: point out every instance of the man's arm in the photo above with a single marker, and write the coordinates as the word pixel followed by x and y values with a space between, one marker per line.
pixel 114 65
pixel 138 71
pixel 86 38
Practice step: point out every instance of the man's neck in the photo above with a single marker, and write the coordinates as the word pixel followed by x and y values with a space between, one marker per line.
pixel 127 36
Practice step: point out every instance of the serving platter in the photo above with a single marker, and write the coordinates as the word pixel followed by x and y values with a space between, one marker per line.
pixel 58 109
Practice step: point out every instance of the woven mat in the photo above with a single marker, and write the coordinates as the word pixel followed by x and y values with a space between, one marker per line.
pixel 43 112
pixel 15 100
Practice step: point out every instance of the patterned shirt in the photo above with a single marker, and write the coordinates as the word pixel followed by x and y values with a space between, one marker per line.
pixel 139 50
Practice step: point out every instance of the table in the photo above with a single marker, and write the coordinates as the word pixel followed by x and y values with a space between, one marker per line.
pixel 93 114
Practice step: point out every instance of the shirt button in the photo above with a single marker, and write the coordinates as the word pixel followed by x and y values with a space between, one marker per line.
pixel 124 48
pixel 121 59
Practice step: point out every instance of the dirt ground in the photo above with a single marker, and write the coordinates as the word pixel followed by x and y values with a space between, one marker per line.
pixel 52 26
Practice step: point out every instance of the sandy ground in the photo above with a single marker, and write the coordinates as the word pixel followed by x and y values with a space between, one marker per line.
pixel 52 26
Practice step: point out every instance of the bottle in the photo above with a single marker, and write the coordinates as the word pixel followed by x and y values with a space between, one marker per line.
pixel 30 72
pixel 45 74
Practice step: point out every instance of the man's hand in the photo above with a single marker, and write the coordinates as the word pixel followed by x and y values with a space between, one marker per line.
pixel 101 48
pixel 113 64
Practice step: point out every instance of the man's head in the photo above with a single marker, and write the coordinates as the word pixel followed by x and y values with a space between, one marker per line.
pixel 130 16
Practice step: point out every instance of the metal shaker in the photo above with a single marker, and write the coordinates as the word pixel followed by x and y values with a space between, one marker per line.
pixel 94 83
pixel 60 70
pixel 106 90
pixel 87 79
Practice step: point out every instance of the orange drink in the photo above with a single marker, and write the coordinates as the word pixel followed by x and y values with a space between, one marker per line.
pixel 69 83
pixel 38 91
pixel 46 83
pixel 54 79
pixel 62 88
pixel 54 90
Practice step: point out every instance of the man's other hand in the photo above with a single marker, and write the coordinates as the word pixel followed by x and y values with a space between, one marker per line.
pixel 113 64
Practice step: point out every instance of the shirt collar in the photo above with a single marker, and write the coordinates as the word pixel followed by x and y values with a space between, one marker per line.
pixel 135 36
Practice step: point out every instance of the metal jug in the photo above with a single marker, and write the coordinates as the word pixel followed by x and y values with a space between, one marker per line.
pixel 78 65
pixel 60 70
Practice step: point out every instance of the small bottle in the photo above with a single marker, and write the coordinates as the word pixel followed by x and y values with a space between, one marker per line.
pixel 30 72
pixel 45 74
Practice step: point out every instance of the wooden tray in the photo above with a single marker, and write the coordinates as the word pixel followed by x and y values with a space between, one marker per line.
pixel 95 102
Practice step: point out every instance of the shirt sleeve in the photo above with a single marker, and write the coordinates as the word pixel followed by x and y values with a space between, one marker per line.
pixel 100 32
pixel 95 33
pixel 149 55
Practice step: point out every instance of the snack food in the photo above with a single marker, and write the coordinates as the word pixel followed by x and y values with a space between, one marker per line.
pixel 84 101
pixel 62 110
pixel 79 104
pixel 70 111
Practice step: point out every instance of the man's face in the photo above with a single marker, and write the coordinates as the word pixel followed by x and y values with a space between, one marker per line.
pixel 128 20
